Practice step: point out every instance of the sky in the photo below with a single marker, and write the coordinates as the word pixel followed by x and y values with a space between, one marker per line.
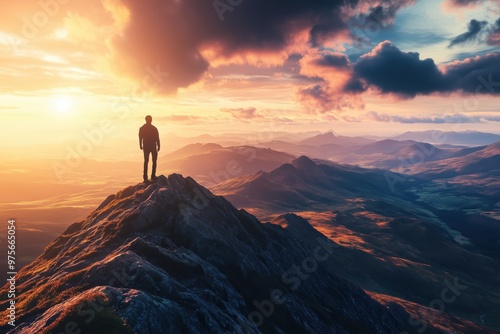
pixel 379 67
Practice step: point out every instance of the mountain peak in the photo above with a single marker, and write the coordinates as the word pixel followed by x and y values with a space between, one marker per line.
pixel 136 202
pixel 154 252
pixel 303 163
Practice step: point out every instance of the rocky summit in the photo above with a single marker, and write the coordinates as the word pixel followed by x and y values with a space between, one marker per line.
pixel 170 257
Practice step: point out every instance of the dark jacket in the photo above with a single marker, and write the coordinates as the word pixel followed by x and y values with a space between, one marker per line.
pixel 149 137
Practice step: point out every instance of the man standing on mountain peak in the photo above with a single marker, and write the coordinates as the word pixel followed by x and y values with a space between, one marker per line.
pixel 149 142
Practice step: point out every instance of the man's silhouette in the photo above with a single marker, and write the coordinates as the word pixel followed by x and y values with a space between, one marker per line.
pixel 149 142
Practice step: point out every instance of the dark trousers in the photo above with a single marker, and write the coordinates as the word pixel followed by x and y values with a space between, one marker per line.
pixel 154 155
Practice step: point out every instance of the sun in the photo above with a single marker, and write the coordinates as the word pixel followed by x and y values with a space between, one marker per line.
pixel 63 105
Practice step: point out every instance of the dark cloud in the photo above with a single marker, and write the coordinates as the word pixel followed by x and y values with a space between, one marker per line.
pixel 372 16
pixel 392 71
pixel 316 98
pixel 473 29
pixel 494 34
pixel 333 60
pixel 321 98
pixel 478 75
pixel 388 70
pixel 184 38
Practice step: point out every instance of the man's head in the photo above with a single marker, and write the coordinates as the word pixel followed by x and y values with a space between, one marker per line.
pixel 149 119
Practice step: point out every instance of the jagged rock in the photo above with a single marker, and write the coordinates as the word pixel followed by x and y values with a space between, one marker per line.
pixel 171 257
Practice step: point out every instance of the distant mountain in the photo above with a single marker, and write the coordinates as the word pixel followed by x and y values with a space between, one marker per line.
pixel 387 146
pixel 170 257
pixel 212 163
pixel 410 153
pixel 191 149
pixel 330 138
pixel 324 151
pixel 483 160
pixel 398 156
pixel 304 184
pixel 469 138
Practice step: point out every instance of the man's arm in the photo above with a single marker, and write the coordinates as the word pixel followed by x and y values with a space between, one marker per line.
pixel 158 139
pixel 140 138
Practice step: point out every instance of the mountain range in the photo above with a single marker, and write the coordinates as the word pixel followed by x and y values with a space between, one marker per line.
pixel 212 163
pixel 400 241
pixel 469 138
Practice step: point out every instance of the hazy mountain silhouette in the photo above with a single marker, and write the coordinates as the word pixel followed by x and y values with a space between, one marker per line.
pixel 304 184
pixel 329 138
pixel 192 149
pixel 482 160
pixel 395 155
pixel 212 163
pixel 469 138
pixel 170 257
pixel 401 156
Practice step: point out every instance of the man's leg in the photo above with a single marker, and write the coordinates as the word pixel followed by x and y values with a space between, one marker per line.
pixel 146 160
pixel 154 155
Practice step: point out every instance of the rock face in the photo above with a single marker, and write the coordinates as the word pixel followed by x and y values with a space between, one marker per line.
pixel 170 257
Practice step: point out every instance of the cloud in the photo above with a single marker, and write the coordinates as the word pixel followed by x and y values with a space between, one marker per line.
pixel 494 34
pixel 317 98
pixel 186 38
pixel 388 70
pixel 333 67
pixel 334 70
pixel 242 113
pixel 375 15
pixel 322 98
pixel 433 119
pixel 391 71
pixel 453 5
pixel 478 75
pixel 385 69
pixel 337 60
pixel 473 29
